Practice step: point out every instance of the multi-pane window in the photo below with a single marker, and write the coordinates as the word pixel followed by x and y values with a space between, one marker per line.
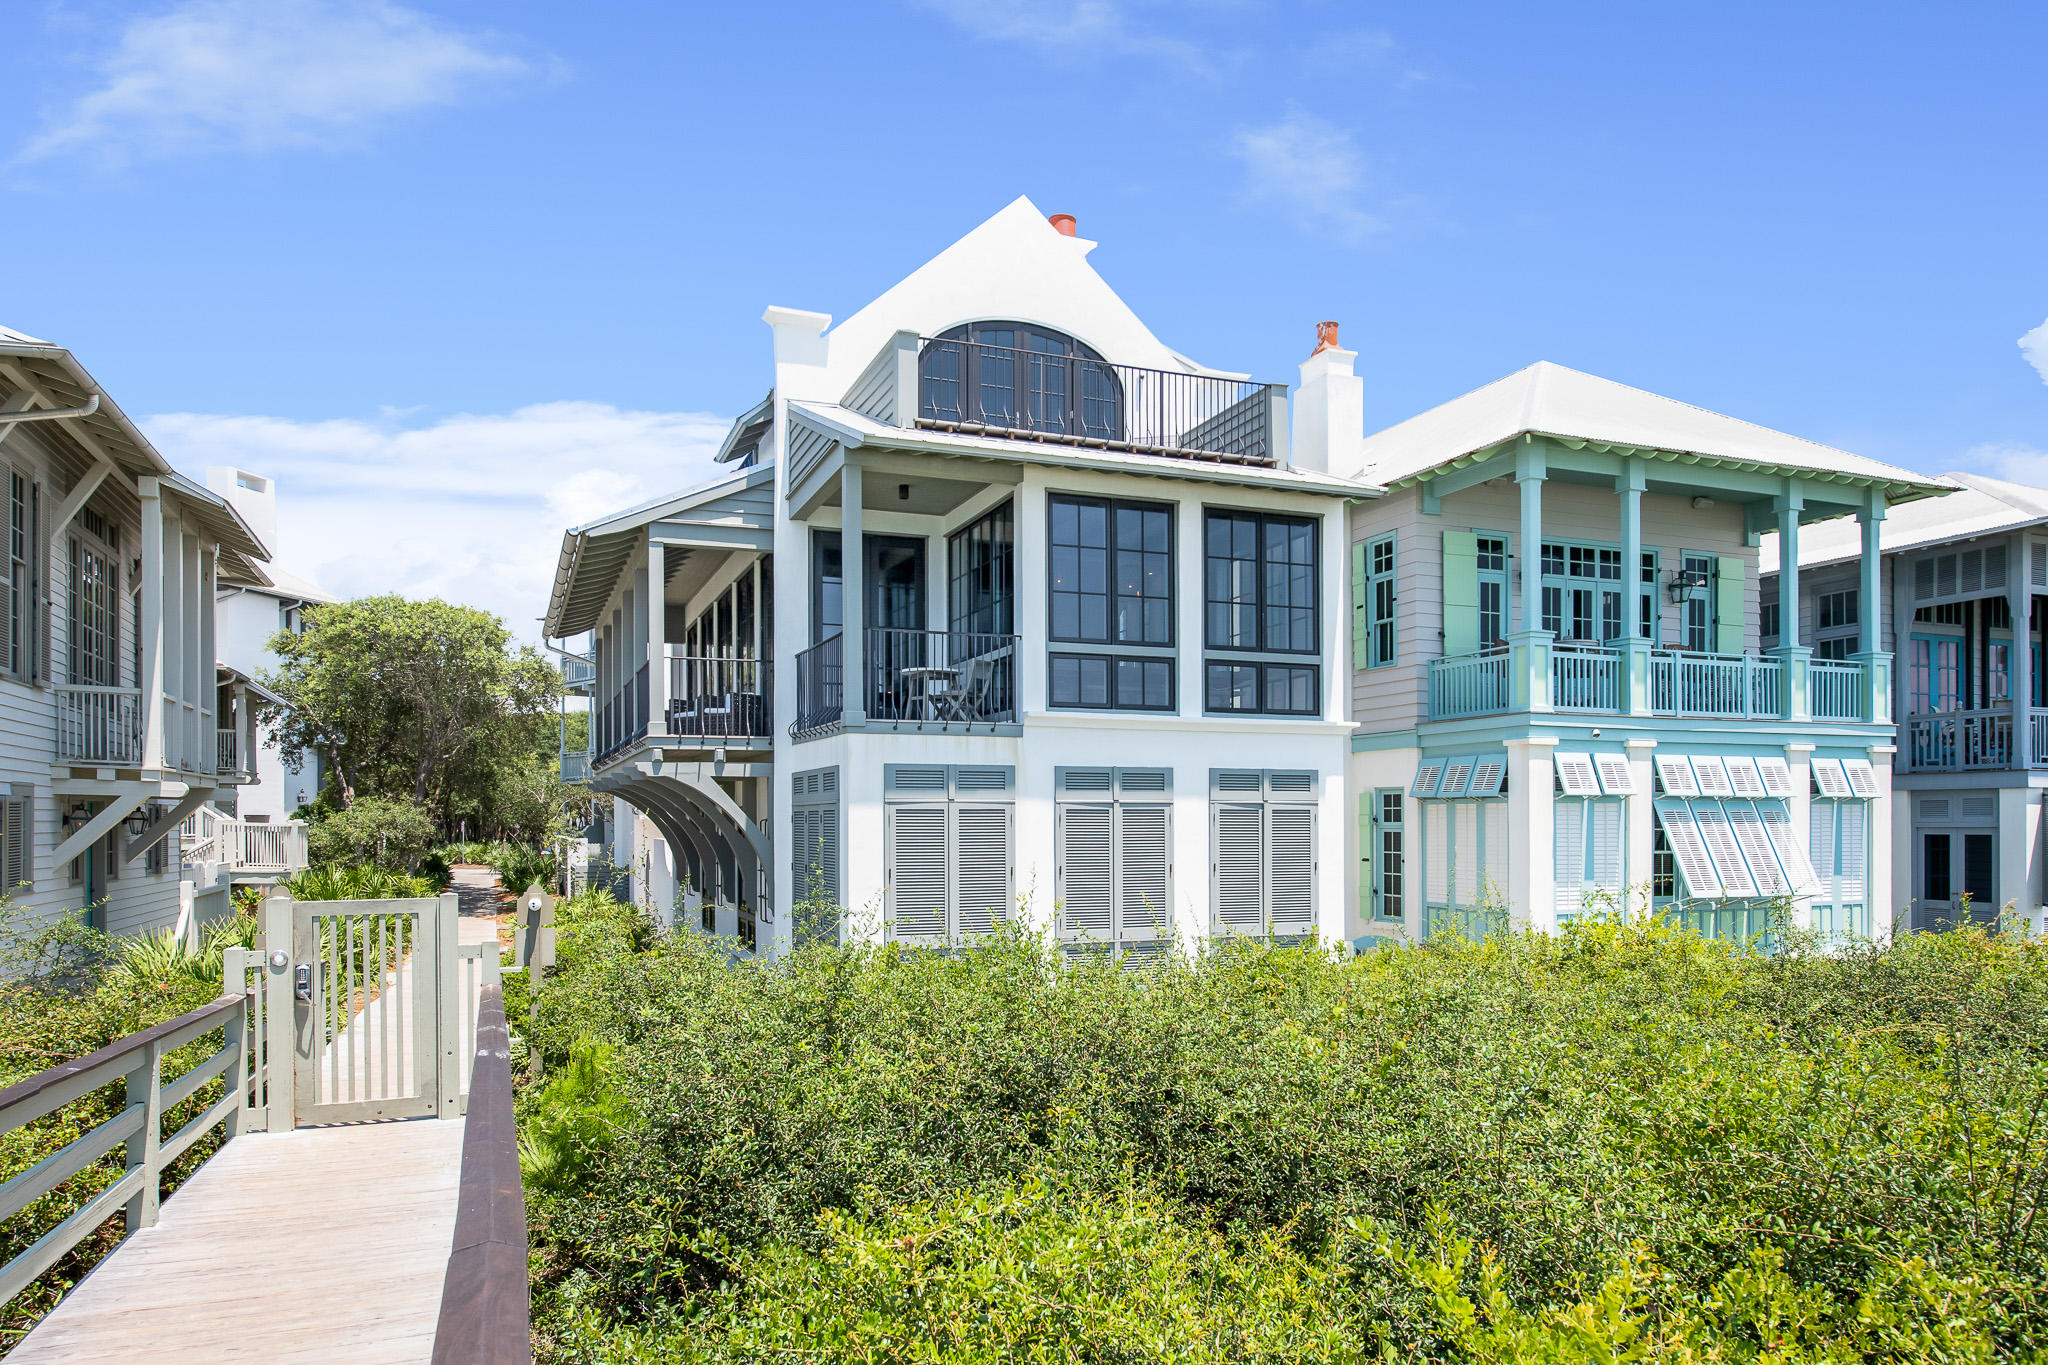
pixel 1936 676
pixel 1017 376
pixel 1767 619
pixel 1493 590
pixel 981 569
pixel 828 586
pixel 1389 870
pixel 94 621
pixel 1261 598
pixel 1582 595
pixel 1836 627
pixel 1112 585
pixel 1699 603
pixel 1381 595
pixel 14 652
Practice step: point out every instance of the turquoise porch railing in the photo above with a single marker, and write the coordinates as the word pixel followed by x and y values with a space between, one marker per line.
pixel 1959 741
pixel 1834 690
pixel 1469 685
pixel 1585 678
pixel 1683 683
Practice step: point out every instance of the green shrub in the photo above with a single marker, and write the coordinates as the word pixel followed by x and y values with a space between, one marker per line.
pixel 473 853
pixel 1619 1143
pixel 387 833
pixel 518 868
pixel 329 883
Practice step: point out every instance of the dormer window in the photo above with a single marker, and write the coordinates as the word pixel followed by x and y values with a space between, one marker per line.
pixel 1019 377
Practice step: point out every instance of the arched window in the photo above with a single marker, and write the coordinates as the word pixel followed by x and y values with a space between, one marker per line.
pixel 1019 377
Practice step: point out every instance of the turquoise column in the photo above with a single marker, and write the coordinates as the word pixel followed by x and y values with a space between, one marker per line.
pixel 1877 665
pixel 1634 645
pixel 1792 657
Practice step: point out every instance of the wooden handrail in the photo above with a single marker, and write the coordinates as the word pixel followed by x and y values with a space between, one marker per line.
pixel 485 1300
pixel 66 1081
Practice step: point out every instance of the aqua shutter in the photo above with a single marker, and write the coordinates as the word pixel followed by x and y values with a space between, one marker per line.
pixel 1729 574
pixel 1461 593
pixel 1360 653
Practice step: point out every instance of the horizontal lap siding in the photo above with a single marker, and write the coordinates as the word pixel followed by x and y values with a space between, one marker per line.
pixel 1395 698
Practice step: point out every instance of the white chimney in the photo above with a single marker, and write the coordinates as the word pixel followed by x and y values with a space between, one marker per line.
pixel 253 495
pixel 1329 407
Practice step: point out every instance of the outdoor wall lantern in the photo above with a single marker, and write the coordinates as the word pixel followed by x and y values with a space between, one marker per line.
pixel 77 815
pixel 138 820
pixel 1685 582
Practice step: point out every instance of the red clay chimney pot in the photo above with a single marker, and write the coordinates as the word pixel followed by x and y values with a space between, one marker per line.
pixel 1326 338
pixel 1062 223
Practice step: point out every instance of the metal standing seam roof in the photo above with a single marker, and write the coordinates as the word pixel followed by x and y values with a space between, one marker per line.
pixel 594 554
pixel 57 372
pixel 1984 506
pixel 1552 400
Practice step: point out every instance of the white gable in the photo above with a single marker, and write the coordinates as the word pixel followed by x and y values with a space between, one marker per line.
pixel 1014 266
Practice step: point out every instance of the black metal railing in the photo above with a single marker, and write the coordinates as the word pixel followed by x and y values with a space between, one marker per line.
pixel 623 719
pixel 974 386
pixel 719 697
pixel 939 678
pixel 820 689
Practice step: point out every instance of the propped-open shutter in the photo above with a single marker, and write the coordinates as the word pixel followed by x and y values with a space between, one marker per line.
pixel 1607 836
pixel 981 867
pixel 1291 868
pixel 1086 873
pixel 1360 657
pixel 1144 853
pixel 1568 865
pixel 1461 592
pixel 1238 875
pixel 917 873
pixel 1730 574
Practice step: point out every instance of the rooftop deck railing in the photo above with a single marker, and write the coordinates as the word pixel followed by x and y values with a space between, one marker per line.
pixel 1001 390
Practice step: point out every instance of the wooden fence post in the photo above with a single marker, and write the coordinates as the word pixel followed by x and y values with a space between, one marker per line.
pixel 240 1034
pixel 145 1087
pixel 280 1044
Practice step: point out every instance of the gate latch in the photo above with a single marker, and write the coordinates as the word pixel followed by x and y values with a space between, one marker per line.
pixel 302 985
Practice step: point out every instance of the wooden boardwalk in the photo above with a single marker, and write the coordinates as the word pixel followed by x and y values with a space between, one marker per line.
pixel 325 1244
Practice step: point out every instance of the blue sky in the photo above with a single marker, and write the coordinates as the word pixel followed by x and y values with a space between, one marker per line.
pixel 459 273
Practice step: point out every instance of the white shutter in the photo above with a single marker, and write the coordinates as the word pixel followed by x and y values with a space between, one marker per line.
pixel 1465 851
pixel 1607 837
pixel 1436 842
pixel 1239 873
pixel 1829 776
pixel 1862 776
pixel 1729 865
pixel 1457 776
pixel 1575 774
pixel 1291 868
pixel 1713 776
pixel 1777 775
pixel 1616 777
pixel 1688 852
pixel 1496 817
pixel 1785 843
pixel 1568 861
pixel 917 873
pixel 1744 775
pixel 1820 846
pixel 1855 853
pixel 1085 873
pixel 981 867
pixel 1771 880
pixel 1144 852
pixel 1675 775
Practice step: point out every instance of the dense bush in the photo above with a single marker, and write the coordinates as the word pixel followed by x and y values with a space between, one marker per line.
pixel 363 883
pixel 1623 1143
pixel 388 833
pixel 519 867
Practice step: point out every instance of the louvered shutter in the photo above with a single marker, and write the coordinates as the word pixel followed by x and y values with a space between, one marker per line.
pixel 981 867
pixel 1086 877
pixel 1855 855
pixel 1291 868
pixel 917 873
pixel 8 587
pixel 1465 851
pixel 1607 837
pixel 14 856
pixel 1359 653
pixel 1494 887
pixel 1568 865
pixel 1368 846
pixel 1436 842
pixel 1238 875
pixel 1820 845
pixel 1144 853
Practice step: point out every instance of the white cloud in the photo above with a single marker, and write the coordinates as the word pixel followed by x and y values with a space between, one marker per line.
pixel 1312 169
pixel 1070 30
pixel 2034 346
pixel 470 508
pixel 265 75
pixel 2013 460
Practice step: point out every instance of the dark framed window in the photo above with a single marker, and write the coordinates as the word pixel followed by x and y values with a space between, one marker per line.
pixel 828 584
pixel 1492 563
pixel 981 575
pixel 1019 377
pixel 1261 582
pixel 1112 682
pixel 1274 689
pixel 1112 571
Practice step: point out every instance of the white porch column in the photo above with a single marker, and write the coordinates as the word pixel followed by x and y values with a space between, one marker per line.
pixel 852 600
pixel 2019 672
pixel 1790 654
pixel 1529 644
pixel 1532 853
pixel 1890 888
pixel 1799 806
pixel 1878 667
pixel 1028 537
pixel 1638 866
pixel 151 682
pixel 657 634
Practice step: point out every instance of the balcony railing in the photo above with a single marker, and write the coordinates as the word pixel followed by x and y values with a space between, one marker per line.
pixel 623 719
pixel 575 768
pixel 228 750
pixel 935 679
pixel 974 387
pixel 1963 741
pixel 99 724
pixel 1596 679
pixel 719 697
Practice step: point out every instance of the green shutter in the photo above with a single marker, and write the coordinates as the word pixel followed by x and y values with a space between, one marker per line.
pixel 1366 845
pixel 1359 657
pixel 1461 593
pixel 1728 580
